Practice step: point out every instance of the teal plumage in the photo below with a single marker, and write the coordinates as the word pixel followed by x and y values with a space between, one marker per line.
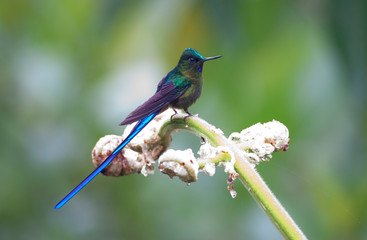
pixel 179 89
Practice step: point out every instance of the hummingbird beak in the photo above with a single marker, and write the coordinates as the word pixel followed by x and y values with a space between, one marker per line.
pixel 211 58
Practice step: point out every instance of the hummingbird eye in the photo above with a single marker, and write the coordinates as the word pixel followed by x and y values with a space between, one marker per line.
pixel 192 60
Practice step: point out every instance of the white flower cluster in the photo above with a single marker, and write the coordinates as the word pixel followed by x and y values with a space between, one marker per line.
pixel 139 155
pixel 261 140
pixel 126 162
pixel 257 143
pixel 179 163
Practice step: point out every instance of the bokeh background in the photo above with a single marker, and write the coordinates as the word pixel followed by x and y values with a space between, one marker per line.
pixel 70 71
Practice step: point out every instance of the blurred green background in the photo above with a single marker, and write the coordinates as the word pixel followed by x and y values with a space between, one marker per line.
pixel 70 71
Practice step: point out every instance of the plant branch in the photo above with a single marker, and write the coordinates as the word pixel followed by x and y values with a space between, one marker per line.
pixel 247 173
pixel 239 154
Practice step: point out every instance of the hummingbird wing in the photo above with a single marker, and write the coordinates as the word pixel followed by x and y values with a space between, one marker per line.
pixel 166 93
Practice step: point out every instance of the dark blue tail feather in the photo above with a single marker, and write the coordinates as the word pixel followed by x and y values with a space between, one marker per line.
pixel 109 159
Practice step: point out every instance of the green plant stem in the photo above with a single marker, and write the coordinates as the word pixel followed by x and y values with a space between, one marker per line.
pixel 247 173
pixel 220 157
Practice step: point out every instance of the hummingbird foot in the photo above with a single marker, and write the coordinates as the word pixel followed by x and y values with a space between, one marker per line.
pixel 174 113
pixel 188 114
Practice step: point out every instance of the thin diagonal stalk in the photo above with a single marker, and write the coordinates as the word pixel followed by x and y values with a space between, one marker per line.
pixel 247 173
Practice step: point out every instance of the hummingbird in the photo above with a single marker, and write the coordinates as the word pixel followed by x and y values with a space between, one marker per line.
pixel 179 90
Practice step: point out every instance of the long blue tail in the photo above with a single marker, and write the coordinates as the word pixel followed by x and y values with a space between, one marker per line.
pixel 108 160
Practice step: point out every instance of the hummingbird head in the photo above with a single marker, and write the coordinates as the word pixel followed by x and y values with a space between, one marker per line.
pixel 191 62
